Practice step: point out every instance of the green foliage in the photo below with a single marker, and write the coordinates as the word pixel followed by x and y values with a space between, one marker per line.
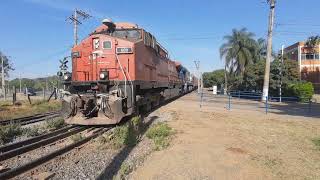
pixel 241 50
pixel 9 133
pixel 77 137
pixel 316 142
pixel 253 77
pixel 160 133
pixel 38 84
pixel 8 66
pixel 303 90
pixel 213 78
pixel 32 131
pixel 55 123
pixel 125 169
pixel 122 136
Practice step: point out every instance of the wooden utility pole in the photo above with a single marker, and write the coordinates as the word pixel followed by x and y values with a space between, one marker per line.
pixel 75 20
pixel 197 63
pixel 75 27
pixel 20 90
pixel 2 77
pixel 269 51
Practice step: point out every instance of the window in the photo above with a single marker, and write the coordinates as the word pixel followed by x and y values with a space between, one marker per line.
pixel 131 34
pixel 309 56
pixel 107 45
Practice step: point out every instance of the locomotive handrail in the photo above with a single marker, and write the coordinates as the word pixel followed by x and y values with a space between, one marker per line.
pixel 126 79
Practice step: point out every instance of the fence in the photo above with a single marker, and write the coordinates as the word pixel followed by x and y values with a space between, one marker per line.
pixel 252 101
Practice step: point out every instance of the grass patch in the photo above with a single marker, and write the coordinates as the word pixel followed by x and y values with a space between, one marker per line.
pixel 33 131
pixel 9 133
pixel 55 124
pixel 77 137
pixel 124 135
pixel 9 111
pixel 160 134
pixel 316 142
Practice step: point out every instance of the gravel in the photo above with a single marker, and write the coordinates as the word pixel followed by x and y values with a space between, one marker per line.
pixel 91 159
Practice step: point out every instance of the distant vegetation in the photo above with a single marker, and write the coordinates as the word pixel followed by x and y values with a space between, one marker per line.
pixel 38 83
pixel 245 57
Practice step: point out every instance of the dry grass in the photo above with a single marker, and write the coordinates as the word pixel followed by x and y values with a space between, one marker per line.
pixel 9 111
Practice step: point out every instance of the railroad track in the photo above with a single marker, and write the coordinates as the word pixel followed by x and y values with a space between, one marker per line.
pixel 30 119
pixel 15 149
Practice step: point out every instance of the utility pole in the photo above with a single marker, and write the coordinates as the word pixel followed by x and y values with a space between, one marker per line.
pixel 269 51
pixel 281 70
pixel 20 90
pixel 197 63
pixel 74 18
pixel 2 77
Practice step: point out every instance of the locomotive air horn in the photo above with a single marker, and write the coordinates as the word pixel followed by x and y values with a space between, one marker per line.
pixel 110 24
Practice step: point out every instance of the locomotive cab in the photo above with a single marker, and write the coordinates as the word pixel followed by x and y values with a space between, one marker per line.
pixel 117 70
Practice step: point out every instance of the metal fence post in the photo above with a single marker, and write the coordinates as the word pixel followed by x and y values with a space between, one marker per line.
pixel 267 105
pixel 201 98
pixel 239 94
pixel 309 105
pixel 229 102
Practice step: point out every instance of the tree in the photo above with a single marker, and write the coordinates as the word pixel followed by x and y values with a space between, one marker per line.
pixel 313 41
pixel 238 50
pixel 8 66
pixel 213 78
pixel 260 50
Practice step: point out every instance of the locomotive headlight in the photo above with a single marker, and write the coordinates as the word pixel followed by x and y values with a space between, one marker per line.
pixel 103 75
pixel 67 77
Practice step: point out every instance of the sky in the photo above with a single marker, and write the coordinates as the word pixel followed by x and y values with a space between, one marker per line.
pixel 35 33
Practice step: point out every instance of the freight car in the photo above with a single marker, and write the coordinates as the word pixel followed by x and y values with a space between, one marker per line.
pixel 119 70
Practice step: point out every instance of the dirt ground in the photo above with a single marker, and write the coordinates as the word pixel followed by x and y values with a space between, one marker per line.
pixel 214 143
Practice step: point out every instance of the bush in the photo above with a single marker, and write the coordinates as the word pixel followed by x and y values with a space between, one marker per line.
pixel 32 131
pixel 303 90
pixel 160 133
pixel 9 133
pixel 77 137
pixel 55 124
pixel 123 135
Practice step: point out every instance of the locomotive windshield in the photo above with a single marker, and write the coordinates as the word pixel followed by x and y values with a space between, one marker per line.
pixel 131 34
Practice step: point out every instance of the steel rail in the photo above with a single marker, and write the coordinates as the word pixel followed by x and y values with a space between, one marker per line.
pixel 25 119
pixel 23 149
pixel 15 145
pixel 32 164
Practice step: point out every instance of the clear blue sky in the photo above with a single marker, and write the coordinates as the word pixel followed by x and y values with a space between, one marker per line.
pixel 35 34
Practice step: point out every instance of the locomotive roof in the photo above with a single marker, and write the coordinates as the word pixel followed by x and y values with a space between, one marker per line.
pixel 119 25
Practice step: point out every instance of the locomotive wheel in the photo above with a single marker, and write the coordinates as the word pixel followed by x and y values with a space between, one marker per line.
pixel 66 110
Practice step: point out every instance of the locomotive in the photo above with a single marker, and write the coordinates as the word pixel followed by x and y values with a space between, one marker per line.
pixel 119 70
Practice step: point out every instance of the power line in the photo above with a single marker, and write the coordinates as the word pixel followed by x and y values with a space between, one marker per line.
pixel 74 18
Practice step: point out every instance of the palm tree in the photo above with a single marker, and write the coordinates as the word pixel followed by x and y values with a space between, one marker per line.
pixel 260 51
pixel 238 51
pixel 313 41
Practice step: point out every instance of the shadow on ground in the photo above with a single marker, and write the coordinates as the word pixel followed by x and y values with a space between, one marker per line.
pixel 113 168
pixel 285 108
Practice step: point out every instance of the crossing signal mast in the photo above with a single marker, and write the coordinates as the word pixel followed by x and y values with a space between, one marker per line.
pixel 64 69
pixel 74 18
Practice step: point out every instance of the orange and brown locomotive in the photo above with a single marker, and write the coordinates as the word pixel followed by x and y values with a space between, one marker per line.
pixel 118 70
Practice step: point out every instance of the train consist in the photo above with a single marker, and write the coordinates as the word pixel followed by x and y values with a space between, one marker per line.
pixel 117 71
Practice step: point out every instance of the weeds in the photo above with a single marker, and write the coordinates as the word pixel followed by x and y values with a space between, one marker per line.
pixel 125 135
pixel 316 142
pixel 9 111
pixel 77 137
pixel 160 134
pixel 32 131
pixel 55 124
pixel 9 133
